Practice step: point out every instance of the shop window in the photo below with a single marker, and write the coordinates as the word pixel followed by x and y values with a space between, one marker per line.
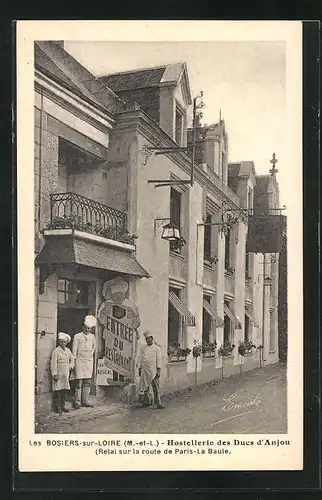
pixel 206 323
pixel 179 126
pixel 174 323
pixel 175 215
pixel 82 293
pixel 207 240
pixel 74 293
pixel 65 292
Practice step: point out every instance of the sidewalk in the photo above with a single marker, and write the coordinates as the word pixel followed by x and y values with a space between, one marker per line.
pixel 198 399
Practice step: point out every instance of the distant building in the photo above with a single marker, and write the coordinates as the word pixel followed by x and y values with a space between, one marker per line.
pixel 99 221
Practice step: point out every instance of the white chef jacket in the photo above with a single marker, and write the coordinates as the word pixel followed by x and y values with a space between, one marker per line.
pixel 83 350
pixel 61 362
pixel 149 361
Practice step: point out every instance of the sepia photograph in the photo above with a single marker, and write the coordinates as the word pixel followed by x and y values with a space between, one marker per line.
pixel 162 190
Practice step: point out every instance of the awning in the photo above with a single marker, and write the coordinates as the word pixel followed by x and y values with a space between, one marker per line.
pixel 213 313
pixel 250 317
pixel 235 321
pixel 89 254
pixel 187 317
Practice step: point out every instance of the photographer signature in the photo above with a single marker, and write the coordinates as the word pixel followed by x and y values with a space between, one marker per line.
pixel 231 405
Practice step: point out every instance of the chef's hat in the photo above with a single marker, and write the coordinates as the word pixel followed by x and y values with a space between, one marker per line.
pixel 147 334
pixel 90 321
pixel 64 336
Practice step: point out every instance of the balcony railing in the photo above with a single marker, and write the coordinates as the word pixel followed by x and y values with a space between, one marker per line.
pixel 74 211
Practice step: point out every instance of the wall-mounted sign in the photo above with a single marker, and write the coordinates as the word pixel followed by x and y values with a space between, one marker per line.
pixel 104 374
pixel 120 319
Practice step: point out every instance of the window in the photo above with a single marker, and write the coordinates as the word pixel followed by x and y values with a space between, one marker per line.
pixel 65 291
pixel 207 240
pixel 246 328
pixel 179 126
pixel 227 249
pixel 175 213
pixel 72 293
pixel 227 327
pixel 206 322
pixel 174 322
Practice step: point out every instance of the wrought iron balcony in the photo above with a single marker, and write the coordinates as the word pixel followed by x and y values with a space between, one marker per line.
pixel 74 211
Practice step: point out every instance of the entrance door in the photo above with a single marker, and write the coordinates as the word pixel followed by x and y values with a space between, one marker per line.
pixel 70 320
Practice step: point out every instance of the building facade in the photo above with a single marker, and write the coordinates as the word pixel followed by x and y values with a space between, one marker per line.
pixel 99 221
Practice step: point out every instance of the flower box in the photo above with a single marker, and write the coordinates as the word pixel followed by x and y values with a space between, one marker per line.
pixel 177 353
pixel 226 349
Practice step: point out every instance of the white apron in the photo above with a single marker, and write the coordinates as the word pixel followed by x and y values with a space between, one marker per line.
pixel 83 351
pixel 149 361
pixel 61 362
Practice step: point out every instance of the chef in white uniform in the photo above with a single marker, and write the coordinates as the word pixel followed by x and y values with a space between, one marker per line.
pixel 149 371
pixel 84 346
pixel 61 363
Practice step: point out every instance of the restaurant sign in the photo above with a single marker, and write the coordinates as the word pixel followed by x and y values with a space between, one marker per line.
pixel 120 319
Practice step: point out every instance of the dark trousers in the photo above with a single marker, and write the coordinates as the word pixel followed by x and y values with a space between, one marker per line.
pixel 60 399
pixel 155 387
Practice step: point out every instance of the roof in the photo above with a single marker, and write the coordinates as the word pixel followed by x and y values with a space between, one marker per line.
pixel 135 79
pixel 43 62
pixel 58 250
pixel 148 77
pixel 55 62
pixel 262 182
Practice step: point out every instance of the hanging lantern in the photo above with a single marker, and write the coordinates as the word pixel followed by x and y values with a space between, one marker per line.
pixel 171 232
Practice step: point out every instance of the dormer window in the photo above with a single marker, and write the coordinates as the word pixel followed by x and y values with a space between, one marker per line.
pixel 179 121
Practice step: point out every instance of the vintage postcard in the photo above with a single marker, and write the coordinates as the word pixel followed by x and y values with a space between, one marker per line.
pixel 159 245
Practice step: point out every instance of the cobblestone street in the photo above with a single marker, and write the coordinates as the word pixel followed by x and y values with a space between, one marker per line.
pixel 254 402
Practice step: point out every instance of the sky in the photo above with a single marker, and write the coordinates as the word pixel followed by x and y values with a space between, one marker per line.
pixel 245 80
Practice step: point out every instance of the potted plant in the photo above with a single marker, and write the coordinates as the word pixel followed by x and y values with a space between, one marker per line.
pixel 226 349
pixel 177 353
pixel 230 271
pixel 209 349
pixel 183 352
pixel 248 278
pixel 196 350
pixel 245 347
